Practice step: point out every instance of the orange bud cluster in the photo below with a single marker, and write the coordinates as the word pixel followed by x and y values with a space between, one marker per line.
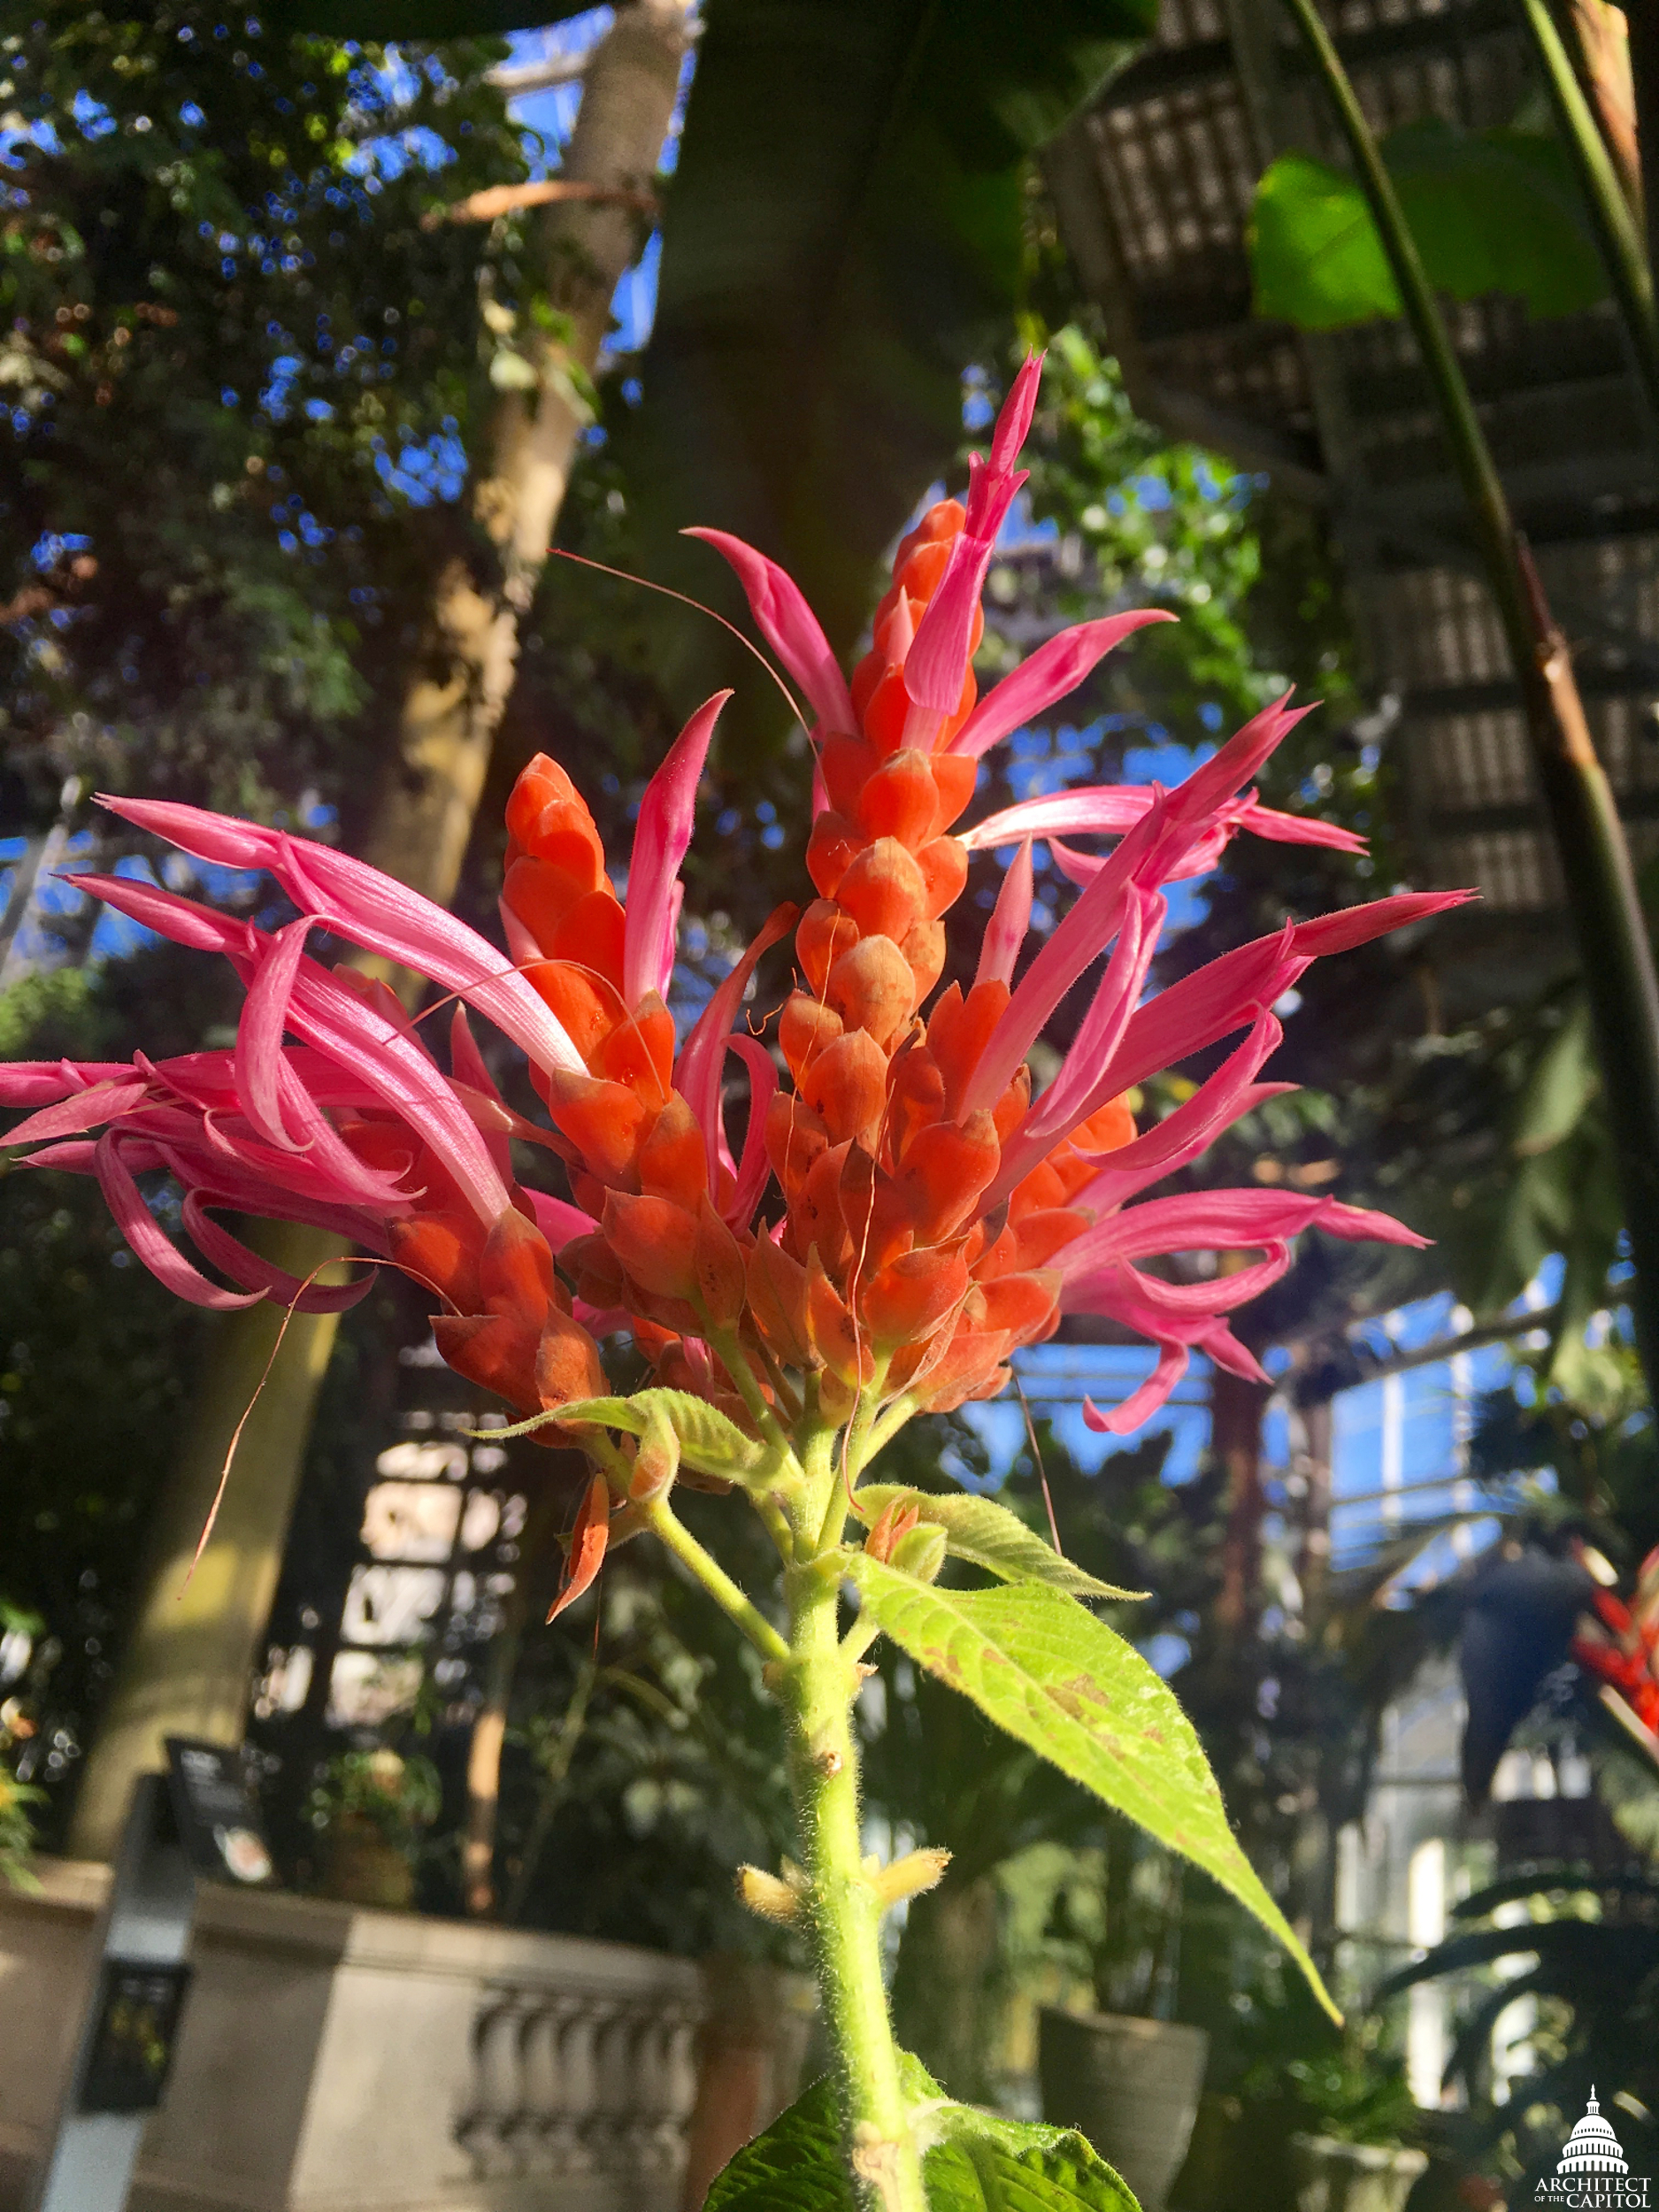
pixel 880 1258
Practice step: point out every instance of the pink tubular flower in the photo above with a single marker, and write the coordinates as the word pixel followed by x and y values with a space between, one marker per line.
pixel 902 1213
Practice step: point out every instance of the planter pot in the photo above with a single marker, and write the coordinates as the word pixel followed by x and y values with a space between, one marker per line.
pixel 1333 2176
pixel 1130 2086
pixel 360 1867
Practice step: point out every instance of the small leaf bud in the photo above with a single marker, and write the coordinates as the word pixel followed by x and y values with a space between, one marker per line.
pixel 920 1552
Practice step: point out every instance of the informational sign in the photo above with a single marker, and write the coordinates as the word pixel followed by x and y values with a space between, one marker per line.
pixel 217 1814
pixel 132 2020
pixel 133 2033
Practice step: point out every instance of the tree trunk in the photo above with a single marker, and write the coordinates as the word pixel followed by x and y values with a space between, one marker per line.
pixel 1236 1407
pixel 188 1660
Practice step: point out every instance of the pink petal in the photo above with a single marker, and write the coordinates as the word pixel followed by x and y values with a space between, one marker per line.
pixel 42 1082
pixel 789 626
pixel 359 904
pixel 1058 667
pixel 938 660
pixel 1193 1126
pixel 1299 829
pixel 1075 1094
pixel 85 1110
pixel 186 921
pixel 1107 808
pixel 754 1167
pixel 1010 922
pixel 144 1234
pixel 1013 421
pixel 698 1070
pixel 1080 939
pixel 259 1061
pixel 1142 1403
pixel 245 1266
pixel 660 838
pixel 1209 787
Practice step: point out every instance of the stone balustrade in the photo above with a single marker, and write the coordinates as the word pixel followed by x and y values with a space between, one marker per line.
pixel 335 2059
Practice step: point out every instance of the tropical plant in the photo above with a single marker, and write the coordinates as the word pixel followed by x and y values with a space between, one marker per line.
pixel 399 1798
pixel 931 1214
pixel 1578 1954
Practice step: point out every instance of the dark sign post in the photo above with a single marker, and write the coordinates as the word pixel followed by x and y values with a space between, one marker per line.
pixel 198 1819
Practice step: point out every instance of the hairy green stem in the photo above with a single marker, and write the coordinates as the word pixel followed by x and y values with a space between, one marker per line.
pixel 844 1909
pixel 1615 953
pixel 664 1524
pixel 1617 232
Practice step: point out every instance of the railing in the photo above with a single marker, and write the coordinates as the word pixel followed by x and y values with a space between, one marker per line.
pixel 572 2082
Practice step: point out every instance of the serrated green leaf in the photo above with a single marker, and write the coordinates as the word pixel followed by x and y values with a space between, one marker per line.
pixel 988 1535
pixel 985 2164
pixel 708 1440
pixel 975 2163
pixel 1039 1665
pixel 795 2165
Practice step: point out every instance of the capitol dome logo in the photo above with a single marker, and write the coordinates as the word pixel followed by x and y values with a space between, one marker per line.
pixel 1592 2174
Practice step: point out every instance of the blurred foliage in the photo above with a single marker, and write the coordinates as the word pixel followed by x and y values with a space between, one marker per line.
pixel 399 1798
pixel 240 380
pixel 1585 1950
pixel 845 231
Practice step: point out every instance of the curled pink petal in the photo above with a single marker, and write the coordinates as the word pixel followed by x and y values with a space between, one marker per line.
pixel 660 838
pixel 1140 1404
pixel 754 1169
pixel 258 1273
pixel 789 626
pixel 148 1241
pixel 259 1032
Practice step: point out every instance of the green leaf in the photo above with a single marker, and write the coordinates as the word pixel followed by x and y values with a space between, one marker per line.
pixel 975 2163
pixel 988 1535
pixel 710 1441
pixel 795 2166
pixel 1490 210
pixel 1316 260
pixel 1041 1666
pixel 985 2164
pixel 1566 1079
pixel 843 236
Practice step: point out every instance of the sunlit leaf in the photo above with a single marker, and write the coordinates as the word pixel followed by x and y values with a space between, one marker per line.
pixel 1041 1666
pixel 1492 210
pixel 708 1440
pixel 988 1535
